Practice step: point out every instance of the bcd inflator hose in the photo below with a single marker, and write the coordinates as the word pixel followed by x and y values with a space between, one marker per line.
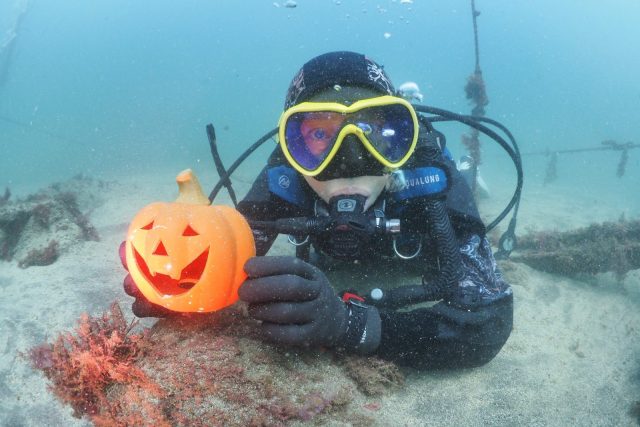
pixel 450 273
pixel 449 258
pixel 448 252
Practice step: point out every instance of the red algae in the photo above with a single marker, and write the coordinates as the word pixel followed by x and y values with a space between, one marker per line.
pixel 42 257
pixel 199 371
pixel 83 365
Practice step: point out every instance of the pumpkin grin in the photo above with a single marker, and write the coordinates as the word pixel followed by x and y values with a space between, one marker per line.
pixel 165 284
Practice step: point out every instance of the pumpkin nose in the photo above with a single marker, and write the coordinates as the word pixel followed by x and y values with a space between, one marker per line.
pixel 160 250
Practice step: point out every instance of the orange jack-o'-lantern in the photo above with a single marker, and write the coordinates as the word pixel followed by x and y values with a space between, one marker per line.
pixel 188 256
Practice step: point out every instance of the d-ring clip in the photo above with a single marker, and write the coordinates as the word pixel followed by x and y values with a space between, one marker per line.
pixel 415 254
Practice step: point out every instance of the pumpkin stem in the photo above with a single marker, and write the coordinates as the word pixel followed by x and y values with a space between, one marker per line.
pixel 189 189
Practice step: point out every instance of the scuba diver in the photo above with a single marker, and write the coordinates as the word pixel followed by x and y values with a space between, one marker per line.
pixel 363 183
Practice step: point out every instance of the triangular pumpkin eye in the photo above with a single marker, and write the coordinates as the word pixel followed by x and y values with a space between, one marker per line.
pixel 189 231
pixel 148 226
pixel 160 250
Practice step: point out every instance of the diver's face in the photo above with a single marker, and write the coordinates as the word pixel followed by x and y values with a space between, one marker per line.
pixel 369 186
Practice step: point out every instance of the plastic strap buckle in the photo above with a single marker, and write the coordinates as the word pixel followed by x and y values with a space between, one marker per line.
pixel 356 332
pixel 348 297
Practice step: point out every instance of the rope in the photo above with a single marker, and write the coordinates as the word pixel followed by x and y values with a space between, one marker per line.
pixel 608 145
pixel 31 128
pixel 551 173
pixel 475 91
pixel 475 13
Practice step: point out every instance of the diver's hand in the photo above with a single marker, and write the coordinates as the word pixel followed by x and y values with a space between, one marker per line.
pixel 141 307
pixel 297 306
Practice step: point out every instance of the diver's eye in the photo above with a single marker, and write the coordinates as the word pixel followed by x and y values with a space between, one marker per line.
pixel 319 134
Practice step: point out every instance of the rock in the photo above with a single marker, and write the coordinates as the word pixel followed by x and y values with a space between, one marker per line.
pixel 37 229
pixel 205 370
pixel 598 248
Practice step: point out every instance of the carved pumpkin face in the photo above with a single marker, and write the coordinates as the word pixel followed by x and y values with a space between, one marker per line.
pixel 187 257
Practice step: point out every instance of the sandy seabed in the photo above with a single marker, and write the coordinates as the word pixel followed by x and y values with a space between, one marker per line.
pixel 572 358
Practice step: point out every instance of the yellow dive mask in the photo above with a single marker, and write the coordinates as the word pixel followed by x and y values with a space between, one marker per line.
pixel 311 133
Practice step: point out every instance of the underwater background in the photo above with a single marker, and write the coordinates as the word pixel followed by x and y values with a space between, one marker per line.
pixel 120 91
pixel 115 87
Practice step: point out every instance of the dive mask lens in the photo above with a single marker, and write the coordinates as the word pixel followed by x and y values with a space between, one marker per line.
pixel 389 129
pixel 311 133
pixel 310 136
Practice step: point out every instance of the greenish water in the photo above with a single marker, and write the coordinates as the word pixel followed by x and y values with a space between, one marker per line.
pixel 118 88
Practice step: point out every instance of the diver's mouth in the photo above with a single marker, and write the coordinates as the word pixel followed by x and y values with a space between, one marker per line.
pixel 355 191
pixel 165 284
pixel 349 190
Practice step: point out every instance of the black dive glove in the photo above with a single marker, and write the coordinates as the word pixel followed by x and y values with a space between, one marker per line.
pixel 141 307
pixel 297 306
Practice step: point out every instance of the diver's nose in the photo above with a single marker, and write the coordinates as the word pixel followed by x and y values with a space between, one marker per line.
pixel 352 160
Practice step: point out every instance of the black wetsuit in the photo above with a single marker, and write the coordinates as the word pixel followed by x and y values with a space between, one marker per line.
pixel 468 328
